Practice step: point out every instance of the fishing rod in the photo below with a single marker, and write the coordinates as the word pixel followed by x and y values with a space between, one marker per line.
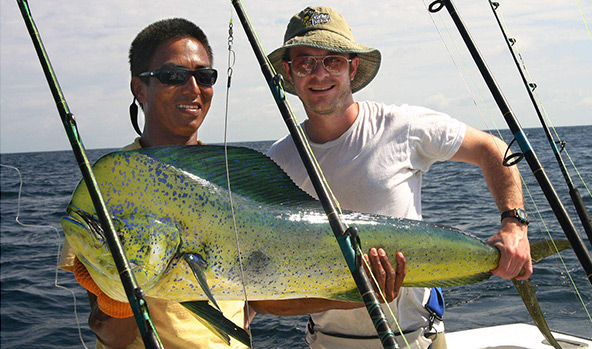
pixel 558 209
pixel 347 238
pixel 134 293
pixel 576 198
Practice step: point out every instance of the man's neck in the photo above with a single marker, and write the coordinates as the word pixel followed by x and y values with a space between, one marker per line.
pixel 149 140
pixel 324 128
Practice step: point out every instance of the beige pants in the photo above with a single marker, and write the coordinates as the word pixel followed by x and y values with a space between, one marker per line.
pixel 416 340
pixel 438 340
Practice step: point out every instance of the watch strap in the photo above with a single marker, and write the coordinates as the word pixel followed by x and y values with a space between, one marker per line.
pixel 517 213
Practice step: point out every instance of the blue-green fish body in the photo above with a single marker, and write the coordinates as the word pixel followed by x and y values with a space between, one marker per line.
pixel 171 208
pixel 167 202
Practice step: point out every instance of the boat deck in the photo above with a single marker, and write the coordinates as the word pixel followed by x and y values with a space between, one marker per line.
pixel 515 336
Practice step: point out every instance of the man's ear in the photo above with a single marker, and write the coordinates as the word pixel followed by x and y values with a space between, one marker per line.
pixel 354 67
pixel 138 88
pixel 287 69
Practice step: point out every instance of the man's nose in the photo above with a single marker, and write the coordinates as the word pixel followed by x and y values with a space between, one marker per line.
pixel 319 69
pixel 191 86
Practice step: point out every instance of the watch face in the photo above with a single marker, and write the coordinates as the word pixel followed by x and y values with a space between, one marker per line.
pixel 521 215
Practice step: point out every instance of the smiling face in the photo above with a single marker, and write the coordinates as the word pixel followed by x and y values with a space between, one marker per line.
pixel 174 113
pixel 320 92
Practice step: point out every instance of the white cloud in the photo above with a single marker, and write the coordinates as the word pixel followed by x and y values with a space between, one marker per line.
pixel 88 42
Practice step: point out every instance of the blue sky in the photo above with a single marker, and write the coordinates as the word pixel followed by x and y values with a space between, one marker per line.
pixel 88 42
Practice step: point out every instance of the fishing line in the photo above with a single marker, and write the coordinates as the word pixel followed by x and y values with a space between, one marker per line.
pixel 383 296
pixel 533 86
pixel 572 282
pixel 133 291
pixel 537 104
pixel 512 45
pixel 476 86
pixel 301 131
pixel 59 252
pixel 229 71
pixel 459 70
pixel 537 170
pixel 333 198
pixel 347 238
pixel 468 71
pixel 559 258
pixel 584 19
pixel 464 80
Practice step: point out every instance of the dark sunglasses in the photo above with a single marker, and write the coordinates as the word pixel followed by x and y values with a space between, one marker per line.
pixel 179 76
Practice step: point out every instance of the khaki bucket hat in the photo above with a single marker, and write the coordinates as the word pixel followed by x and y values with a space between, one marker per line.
pixel 324 28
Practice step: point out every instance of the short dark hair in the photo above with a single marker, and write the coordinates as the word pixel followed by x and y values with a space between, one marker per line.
pixel 147 41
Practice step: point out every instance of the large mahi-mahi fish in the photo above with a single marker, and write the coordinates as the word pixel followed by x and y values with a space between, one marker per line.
pixel 171 203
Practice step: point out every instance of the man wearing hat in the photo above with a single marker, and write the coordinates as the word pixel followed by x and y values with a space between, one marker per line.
pixel 373 156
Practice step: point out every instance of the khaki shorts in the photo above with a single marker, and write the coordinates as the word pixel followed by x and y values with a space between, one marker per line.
pixel 415 339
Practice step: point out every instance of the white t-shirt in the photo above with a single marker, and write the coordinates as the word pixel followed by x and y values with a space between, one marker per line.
pixel 376 167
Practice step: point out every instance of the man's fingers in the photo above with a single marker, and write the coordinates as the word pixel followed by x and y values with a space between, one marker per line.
pixel 388 278
pixel 377 267
pixel 401 268
pixel 511 265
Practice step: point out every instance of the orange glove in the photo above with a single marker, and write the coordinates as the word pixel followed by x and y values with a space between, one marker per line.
pixel 107 305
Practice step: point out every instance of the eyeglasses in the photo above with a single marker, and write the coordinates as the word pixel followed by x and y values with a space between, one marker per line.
pixel 305 65
pixel 179 76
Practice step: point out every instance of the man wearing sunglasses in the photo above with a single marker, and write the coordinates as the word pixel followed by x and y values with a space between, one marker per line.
pixel 174 89
pixel 372 156
pixel 172 77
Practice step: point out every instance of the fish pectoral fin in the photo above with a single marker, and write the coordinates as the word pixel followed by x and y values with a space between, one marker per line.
pixel 197 265
pixel 216 322
pixel 527 293
pixel 211 317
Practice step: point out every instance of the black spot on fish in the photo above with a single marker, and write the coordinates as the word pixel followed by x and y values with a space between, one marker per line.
pixel 256 262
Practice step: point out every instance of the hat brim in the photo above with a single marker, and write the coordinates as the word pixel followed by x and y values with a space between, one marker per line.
pixel 369 57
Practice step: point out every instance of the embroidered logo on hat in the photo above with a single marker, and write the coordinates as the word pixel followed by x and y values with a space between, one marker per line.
pixel 312 17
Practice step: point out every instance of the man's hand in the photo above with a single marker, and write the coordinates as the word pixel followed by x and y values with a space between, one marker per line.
pixel 512 242
pixel 389 280
pixel 113 332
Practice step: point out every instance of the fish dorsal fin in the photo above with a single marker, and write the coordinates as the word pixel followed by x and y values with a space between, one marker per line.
pixel 252 174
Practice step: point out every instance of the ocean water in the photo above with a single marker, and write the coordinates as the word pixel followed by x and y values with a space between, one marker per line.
pixel 38 309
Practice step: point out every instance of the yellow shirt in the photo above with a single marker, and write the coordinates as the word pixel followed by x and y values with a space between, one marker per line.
pixel 175 325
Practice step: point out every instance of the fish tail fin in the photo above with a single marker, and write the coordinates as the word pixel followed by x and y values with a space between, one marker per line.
pixel 545 248
pixel 527 293
pixel 538 251
pixel 216 322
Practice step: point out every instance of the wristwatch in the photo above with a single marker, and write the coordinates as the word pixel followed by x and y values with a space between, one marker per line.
pixel 517 213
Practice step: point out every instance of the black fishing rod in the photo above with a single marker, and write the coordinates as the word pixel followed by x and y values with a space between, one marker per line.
pixel 576 198
pixel 133 291
pixel 558 209
pixel 347 237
